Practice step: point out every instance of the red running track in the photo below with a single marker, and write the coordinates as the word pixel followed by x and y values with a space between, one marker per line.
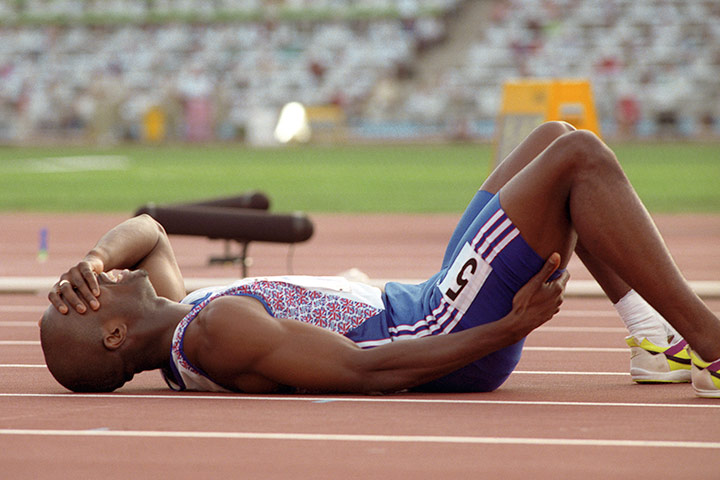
pixel 570 409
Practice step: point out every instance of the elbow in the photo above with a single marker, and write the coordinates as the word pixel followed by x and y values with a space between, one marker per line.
pixel 148 219
pixel 380 383
pixel 153 225
pixel 358 373
pixel 369 377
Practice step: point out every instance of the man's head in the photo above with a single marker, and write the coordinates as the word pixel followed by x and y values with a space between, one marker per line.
pixel 89 352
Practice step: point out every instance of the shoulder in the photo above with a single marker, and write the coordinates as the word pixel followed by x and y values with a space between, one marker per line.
pixel 225 340
pixel 229 310
pixel 229 325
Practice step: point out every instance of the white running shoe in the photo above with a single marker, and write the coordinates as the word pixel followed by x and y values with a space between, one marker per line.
pixel 650 363
pixel 705 377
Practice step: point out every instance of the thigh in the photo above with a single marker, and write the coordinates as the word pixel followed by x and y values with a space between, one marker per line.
pixel 520 157
pixel 537 201
pixel 473 209
pixel 492 262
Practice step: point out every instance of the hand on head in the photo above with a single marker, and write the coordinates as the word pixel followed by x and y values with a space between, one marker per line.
pixel 78 287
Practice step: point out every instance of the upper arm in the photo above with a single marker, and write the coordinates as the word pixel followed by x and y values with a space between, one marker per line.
pixel 162 267
pixel 141 242
pixel 239 338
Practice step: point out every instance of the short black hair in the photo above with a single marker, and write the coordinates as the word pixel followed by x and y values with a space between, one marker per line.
pixel 76 356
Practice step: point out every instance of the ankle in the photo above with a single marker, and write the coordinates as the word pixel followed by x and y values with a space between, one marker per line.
pixel 708 351
pixel 641 320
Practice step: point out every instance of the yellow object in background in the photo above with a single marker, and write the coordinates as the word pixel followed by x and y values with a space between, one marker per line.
pixel 154 125
pixel 526 103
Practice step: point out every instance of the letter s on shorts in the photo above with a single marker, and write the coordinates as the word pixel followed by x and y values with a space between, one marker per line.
pixel 464 278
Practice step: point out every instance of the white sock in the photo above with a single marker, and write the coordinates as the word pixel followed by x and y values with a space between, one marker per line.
pixel 642 321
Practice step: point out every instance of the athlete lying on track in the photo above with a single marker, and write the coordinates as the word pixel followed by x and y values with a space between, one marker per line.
pixel 502 276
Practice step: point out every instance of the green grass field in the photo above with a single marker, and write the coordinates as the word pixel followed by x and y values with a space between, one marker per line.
pixel 392 178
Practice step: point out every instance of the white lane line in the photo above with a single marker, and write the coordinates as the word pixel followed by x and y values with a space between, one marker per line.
pixel 20 365
pixel 545 328
pixel 552 329
pixel 545 372
pixel 562 313
pixel 588 313
pixel 329 437
pixel 516 372
pixel 23 308
pixel 11 343
pixel 577 349
pixel 343 399
pixel 19 323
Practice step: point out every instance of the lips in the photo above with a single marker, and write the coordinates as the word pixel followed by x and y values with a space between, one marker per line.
pixel 122 274
pixel 116 276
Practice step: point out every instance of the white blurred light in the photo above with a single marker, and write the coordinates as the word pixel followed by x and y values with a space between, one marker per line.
pixel 292 124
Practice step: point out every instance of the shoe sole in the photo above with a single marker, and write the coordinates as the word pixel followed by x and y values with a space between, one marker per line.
pixel 704 381
pixel 707 393
pixel 657 365
pixel 643 376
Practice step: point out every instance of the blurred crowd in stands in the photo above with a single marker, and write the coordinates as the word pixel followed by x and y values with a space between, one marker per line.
pixel 98 70
pixel 654 64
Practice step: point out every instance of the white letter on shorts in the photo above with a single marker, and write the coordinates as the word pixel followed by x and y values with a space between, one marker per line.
pixel 464 278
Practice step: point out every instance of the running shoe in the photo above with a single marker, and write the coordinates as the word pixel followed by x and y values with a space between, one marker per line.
pixel 705 377
pixel 650 363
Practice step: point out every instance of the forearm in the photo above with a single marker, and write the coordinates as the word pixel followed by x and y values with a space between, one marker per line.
pixel 418 361
pixel 248 340
pixel 293 353
pixel 127 244
pixel 139 242
pixel 405 364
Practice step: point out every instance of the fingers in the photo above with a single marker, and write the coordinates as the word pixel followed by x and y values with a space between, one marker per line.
pixel 55 298
pixel 551 265
pixel 540 299
pixel 553 291
pixel 90 277
pixel 76 289
pixel 85 283
pixel 562 280
pixel 547 270
pixel 69 296
pixel 558 285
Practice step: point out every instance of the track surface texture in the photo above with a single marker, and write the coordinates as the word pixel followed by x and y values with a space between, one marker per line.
pixel 569 411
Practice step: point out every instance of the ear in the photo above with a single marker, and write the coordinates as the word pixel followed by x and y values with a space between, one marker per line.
pixel 115 336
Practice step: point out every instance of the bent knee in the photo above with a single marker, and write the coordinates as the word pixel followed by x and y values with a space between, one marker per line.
pixel 584 146
pixel 554 129
pixel 584 139
pixel 581 152
pixel 558 126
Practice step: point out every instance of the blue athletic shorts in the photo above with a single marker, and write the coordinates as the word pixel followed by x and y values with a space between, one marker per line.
pixel 486 262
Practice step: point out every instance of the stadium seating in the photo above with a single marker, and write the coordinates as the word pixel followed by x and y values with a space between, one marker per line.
pixel 661 54
pixel 107 73
pixel 97 67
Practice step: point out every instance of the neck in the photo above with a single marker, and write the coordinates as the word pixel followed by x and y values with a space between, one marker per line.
pixel 152 339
